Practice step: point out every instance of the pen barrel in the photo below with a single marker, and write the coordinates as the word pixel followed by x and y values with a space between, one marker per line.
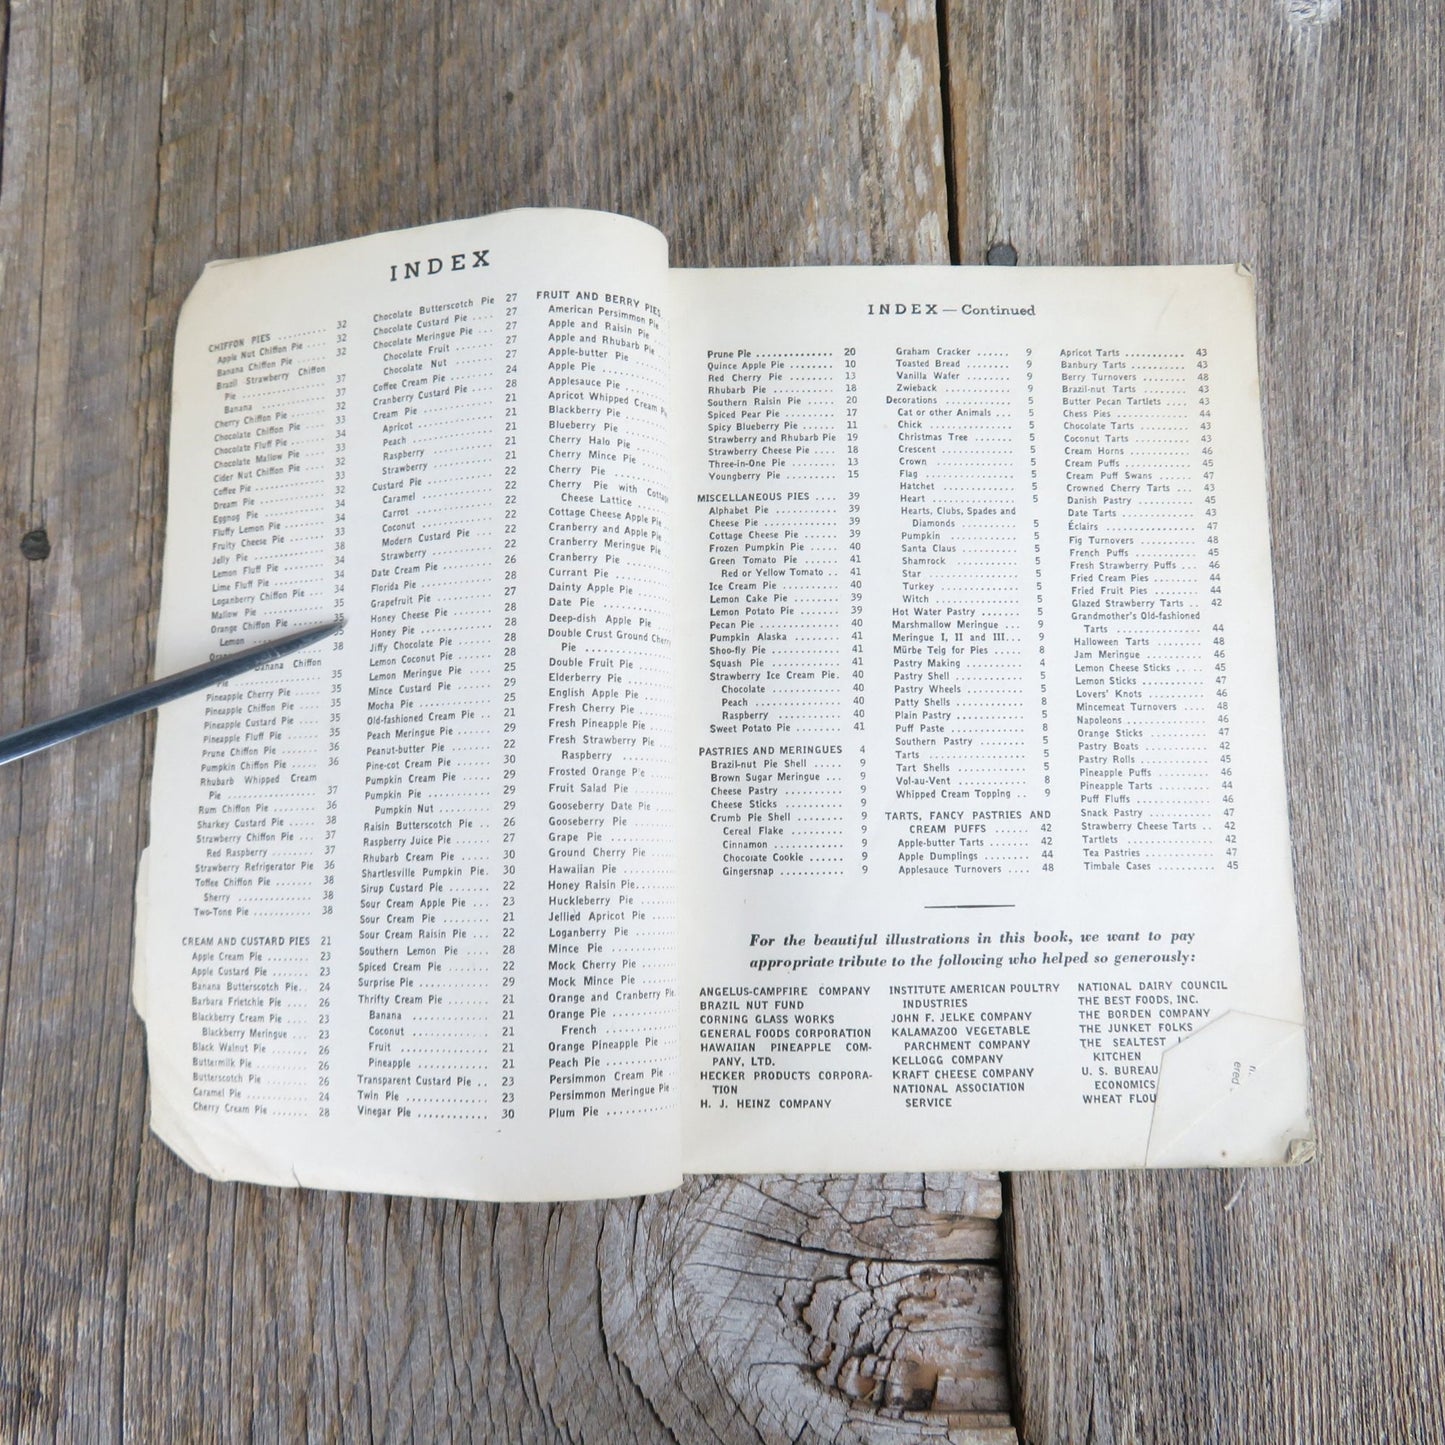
pixel 194 679
pixel 58 730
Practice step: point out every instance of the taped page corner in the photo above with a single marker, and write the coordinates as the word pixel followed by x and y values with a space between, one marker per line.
pixel 1234 1093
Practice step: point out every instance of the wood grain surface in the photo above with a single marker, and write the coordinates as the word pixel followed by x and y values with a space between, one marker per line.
pixel 141 1302
pixel 1304 138
pixel 138 1300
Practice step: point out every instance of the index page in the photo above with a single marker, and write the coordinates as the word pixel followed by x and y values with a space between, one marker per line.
pixel 985 855
pixel 408 922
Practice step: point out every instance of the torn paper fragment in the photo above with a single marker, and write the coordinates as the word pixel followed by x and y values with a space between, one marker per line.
pixel 1235 1092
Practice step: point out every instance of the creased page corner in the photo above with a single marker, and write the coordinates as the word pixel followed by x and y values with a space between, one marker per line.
pixel 1234 1093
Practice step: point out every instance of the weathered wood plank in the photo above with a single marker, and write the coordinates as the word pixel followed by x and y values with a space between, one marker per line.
pixel 76 209
pixel 852 1284
pixel 135 1297
pixel 1305 139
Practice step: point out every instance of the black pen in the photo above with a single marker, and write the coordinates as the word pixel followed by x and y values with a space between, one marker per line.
pixel 153 694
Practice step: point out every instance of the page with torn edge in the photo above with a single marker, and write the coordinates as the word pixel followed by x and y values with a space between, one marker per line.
pixel 407 912
pixel 985 854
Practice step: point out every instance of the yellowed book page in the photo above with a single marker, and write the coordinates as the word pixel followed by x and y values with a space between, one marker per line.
pixel 407 918
pixel 985 860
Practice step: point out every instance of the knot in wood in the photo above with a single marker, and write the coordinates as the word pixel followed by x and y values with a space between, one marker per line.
pixel 912 1338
